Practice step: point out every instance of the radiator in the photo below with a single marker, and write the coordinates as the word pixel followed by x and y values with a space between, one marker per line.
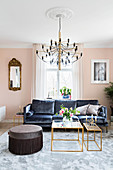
pixel 2 112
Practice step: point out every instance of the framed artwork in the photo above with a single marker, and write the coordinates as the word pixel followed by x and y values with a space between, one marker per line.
pixel 100 71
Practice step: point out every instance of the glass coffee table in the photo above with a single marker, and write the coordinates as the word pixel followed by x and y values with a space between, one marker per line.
pixel 93 129
pixel 73 126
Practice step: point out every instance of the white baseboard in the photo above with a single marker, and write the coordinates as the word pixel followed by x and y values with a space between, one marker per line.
pixel 11 121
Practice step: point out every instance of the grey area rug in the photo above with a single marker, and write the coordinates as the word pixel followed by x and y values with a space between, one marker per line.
pixel 47 160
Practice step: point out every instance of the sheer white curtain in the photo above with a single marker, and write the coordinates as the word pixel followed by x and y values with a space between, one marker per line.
pixel 39 75
pixel 77 80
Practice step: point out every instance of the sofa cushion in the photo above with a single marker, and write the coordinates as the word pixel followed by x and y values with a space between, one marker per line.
pixel 101 111
pixel 93 109
pixel 85 102
pixel 66 103
pixel 40 118
pixel 82 109
pixel 100 119
pixel 43 106
pixel 59 117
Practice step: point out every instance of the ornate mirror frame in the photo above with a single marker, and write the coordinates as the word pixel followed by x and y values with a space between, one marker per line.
pixel 14 62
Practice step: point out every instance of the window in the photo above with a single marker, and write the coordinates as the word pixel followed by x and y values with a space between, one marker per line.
pixel 56 79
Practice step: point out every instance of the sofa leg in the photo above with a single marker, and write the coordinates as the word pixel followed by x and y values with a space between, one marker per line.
pixel 106 129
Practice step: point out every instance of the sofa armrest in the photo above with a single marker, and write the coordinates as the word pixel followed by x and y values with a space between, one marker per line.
pixel 104 109
pixel 26 109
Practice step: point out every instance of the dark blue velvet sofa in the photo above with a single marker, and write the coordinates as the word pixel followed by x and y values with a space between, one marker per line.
pixel 42 112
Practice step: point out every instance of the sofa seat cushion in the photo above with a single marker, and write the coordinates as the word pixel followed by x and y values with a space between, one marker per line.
pixel 59 117
pixel 75 118
pixel 43 106
pixel 40 118
pixel 66 103
pixel 100 119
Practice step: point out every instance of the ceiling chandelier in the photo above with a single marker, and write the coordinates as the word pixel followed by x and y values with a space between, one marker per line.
pixel 60 53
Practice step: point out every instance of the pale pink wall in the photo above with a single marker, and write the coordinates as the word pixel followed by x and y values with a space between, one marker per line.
pixel 13 99
pixel 96 91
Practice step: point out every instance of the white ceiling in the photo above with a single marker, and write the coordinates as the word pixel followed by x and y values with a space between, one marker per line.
pixel 23 22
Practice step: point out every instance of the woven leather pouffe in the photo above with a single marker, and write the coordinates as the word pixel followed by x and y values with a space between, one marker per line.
pixel 25 139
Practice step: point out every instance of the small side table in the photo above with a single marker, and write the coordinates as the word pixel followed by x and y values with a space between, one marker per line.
pixel 19 116
pixel 93 129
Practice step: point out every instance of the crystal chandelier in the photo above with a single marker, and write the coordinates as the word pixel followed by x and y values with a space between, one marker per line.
pixel 60 53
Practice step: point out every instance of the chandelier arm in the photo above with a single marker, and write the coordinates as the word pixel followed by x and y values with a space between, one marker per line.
pixel 54 52
pixel 76 59
pixel 41 59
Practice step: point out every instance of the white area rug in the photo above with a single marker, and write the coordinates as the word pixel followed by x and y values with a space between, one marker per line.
pixel 47 160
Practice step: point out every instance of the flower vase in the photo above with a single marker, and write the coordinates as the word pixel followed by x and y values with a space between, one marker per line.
pixel 67 121
pixel 66 97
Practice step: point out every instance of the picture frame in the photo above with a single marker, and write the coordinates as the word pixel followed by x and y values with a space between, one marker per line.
pixel 100 71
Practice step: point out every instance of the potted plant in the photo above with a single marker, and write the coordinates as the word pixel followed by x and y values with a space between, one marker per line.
pixel 109 93
pixel 65 92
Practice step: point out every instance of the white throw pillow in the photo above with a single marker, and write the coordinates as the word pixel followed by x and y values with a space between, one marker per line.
pixel 93 109
pixel 82 109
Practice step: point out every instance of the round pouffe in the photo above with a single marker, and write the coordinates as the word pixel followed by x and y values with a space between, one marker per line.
pixel 25 139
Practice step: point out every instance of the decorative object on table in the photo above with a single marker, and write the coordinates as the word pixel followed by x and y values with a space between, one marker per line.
pixel 91 121
pixel 100 71
pixel 67 114
pixel 60 53
pixel 65 92
pixel 109 92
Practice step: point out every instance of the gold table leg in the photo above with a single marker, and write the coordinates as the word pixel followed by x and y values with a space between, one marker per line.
pixel 82 138
pixel 94 135
pixel 78 134
pixel 101 141
pixel 51 139
pixel 87 139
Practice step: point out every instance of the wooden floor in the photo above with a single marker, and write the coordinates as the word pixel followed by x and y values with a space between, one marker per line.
pixel 6 126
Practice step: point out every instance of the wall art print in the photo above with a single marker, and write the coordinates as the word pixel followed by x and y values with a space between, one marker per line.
pixel 100 71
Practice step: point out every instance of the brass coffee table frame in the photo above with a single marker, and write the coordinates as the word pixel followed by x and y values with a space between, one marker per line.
pixel 93 129
pixel 79 128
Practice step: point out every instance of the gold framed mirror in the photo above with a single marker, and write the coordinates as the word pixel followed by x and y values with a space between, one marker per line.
pixel 14 67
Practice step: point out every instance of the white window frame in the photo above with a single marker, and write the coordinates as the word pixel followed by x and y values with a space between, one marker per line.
pixel 58 77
